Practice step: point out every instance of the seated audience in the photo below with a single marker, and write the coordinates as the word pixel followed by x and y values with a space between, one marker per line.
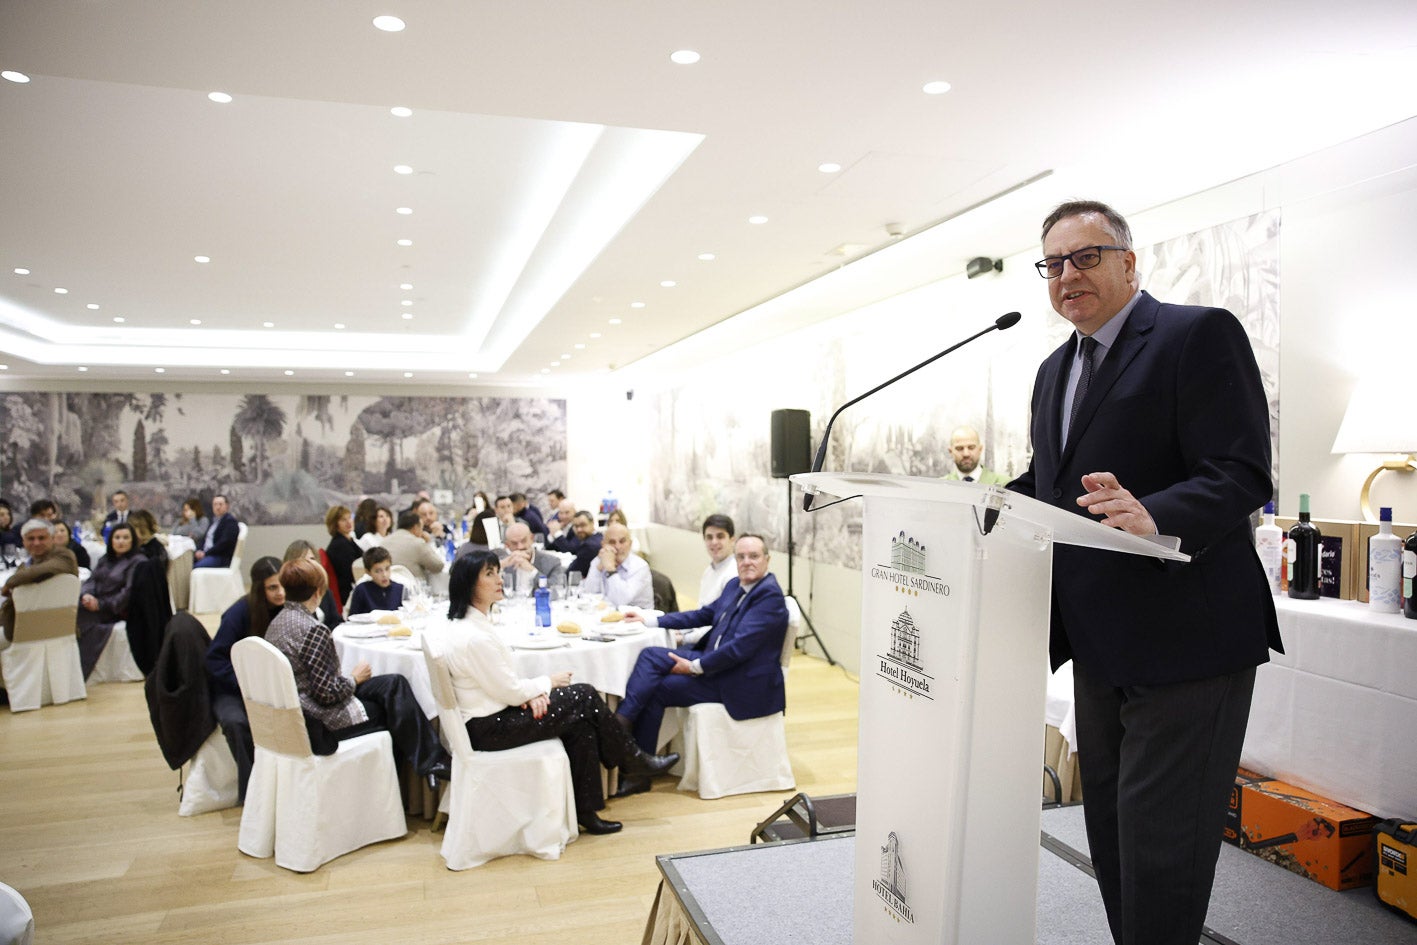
pixel 192 521
pixel 219 545
pixel 434 531
pixel 480 510
pixel 342 550
pixel 9 533
pixel 104 599
pixel 718 541
pixel 528 513
pixel 558 523
pixel 582 540
pixel 408 549
pixel 326 610
pixel 45 561
pixel 343 706
pixel 119 513
pixel 248 617
pixel 381 591
pixel 150 543
pixel 554 498
pixel 364 517
pixel 44 509
pixel 383 528
pixel 622 577
pixel 737 663
pixel 63 538
pixel 150 598
pixel 502 710
pixel 519 555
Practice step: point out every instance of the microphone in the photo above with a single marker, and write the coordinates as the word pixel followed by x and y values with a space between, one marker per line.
pixel 1007 320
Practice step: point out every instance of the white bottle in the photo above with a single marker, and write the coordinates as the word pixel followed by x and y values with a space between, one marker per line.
pixel 1269 544
pixel 1385 567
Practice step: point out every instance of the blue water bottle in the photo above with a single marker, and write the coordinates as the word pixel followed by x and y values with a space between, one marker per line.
pixel 543 603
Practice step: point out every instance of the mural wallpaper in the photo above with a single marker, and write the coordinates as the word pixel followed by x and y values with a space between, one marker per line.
pixel 280 459
pixel 713 432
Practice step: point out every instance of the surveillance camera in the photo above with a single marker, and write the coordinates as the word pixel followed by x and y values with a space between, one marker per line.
pixel 629 395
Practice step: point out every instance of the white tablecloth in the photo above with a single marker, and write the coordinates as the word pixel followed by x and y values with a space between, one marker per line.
pixel 606 666
pixel 1337 712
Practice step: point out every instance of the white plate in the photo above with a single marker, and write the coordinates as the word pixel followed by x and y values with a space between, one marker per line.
pixel 535 643
pixel 367 632
pixel 360 618
pixel 622 629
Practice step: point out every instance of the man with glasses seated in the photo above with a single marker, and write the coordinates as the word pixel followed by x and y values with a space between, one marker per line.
pixel 581 540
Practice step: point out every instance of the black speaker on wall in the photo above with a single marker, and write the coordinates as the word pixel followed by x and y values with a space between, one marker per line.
pixel 791 443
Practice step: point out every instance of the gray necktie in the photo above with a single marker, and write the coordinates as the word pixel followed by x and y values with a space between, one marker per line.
pixel 1089 345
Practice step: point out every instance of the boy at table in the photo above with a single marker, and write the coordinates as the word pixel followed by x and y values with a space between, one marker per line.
pixel 381 591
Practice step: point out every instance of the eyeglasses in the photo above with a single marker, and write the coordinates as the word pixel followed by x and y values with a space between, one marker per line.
pixel 1051 267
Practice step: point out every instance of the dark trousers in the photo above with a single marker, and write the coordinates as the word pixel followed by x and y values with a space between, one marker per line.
pixel 390 704
pixel 584 723
pixel 1157 765
pixel 652 688
pixel 212 561
pixel 230 714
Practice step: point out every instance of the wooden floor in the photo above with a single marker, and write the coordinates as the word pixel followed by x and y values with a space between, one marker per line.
pixel 89 834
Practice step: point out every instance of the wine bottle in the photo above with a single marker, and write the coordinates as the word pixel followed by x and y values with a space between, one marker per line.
pixel 1385 567
pixel 1269 544
pixel 1409 576
pixel 1303 553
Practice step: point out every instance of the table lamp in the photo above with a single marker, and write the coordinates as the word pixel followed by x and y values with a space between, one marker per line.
pixel 1379 419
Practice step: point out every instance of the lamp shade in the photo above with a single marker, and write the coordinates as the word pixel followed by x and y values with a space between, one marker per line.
pixel 1379 419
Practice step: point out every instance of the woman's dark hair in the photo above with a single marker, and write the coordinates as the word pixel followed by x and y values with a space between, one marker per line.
pixel 374 520
pixel 462 581
pixel 195 504
pixel 132 535
pixel 256 605
pixel 364 515
pixel 302 580
pixel 144 520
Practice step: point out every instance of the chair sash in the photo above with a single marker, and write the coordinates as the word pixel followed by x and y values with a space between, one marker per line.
pixel 279 730
pixel 31 626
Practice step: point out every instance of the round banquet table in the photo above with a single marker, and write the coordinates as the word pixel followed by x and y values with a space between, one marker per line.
pixel 606 666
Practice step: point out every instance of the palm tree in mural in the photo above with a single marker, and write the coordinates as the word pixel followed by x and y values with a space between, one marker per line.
pixel 262 420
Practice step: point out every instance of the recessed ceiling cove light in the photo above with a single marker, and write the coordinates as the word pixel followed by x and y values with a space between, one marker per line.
pixel 82 370
pixel 758 220
pixel 669 283
pixel 92 306
pixel 119 319
pixel 614 321
pixel 202 259
pixel 159 370
pixel 580 346
pixel 565 357
pixel 389 24
pixel 406 302
pixel 555 363
pixel 408 374
pixel 408 316
pixel 61 291
pixel 829 168
pixel 637 305
pixel 404 210
pixel 221 98
pixel 21 271
pixel 707 257
pixel 194 321
pixel 472 375
pixel 546 370
pixel 406 286
pixel 268 324
pixel 402 169
pixel 684 57
pixel 226 370
pixel 13 76
pixel 348 373
pixel 400 111
pixel 4 367
pixel 595 334
pixel 339 326
pixel 289 373
pixel 405 242
pixel 935 88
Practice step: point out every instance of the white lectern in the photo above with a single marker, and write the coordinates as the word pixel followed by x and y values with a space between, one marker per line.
pixel 954 664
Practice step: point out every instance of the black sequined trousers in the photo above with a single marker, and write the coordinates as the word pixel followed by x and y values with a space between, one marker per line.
pixel 585 725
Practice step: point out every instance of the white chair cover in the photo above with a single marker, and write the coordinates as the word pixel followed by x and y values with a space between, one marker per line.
pixel 211 782
pixel 403 575
pixel 215 589
pixel 499 802
pixel 723 756
pixel 304 808
pixel 16 919
pixel 115 663
pixel 42 666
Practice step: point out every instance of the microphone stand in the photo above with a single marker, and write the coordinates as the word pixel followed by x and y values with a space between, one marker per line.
pixel 791 553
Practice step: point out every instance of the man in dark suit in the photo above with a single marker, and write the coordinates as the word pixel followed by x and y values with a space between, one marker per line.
pixel 1151 418
pixel 119 514
pixel 220 544
pixel 528 513
pixel 737 663
pixel 581 540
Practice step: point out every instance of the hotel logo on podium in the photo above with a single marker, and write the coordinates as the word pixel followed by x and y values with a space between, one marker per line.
pixel 891 887
pixel 907 569
pixel 900 664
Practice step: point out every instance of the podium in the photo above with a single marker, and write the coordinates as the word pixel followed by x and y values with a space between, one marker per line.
pixel 955 607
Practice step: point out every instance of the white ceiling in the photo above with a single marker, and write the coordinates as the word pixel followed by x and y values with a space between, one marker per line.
pixel 564 167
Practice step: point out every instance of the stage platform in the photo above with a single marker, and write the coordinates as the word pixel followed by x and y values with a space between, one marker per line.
pixel 799 891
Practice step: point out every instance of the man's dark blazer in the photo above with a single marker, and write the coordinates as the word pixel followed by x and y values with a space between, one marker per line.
pixel 1178 413
pixel 226 534
pixel 747 663
pixel 533 520
pixel 585 550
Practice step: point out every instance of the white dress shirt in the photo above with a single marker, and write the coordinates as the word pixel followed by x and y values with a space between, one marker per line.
pixel 710 586
pixel 628 585
pixel 485 679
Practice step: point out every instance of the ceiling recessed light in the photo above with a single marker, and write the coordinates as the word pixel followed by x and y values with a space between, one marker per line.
pixel 61 291
pixel 402 169
pixel 614 321
pixel 406 302
pixel 595 334
pixel 408 374
pixel 389 24
pixel 289 373
pixel 472 374
pixel 555 363
pixel 668 283
pixel 202 259
pixel 92 306
pixel 546 370
pixel 404 210
pixel 339 325
pixel 13 76
pixel 405 242
pixel 82 370
pixel 935 88
pixel 221 98
pixel 406 286
pixel 580 346
pixel 21 271
pixel 194 321
pixel 159 370
pixel 565 357
pixel 4 367
pixel 829 168
pixel 226 370
pixel 684 57
pixel 637 305
pixel 119 319
pixel 268 324
pixel 400 111
pixel 348 373
pixel 707 257
pixel 408 316
pixel 757 220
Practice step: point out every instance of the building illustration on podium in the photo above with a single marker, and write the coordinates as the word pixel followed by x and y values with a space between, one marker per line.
pixel 905 641
pixel 907 554
pixel 892 887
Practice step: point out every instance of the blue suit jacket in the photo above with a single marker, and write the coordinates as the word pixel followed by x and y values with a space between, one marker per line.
pixel 1178 412
pixel 747 659
pixel 227 533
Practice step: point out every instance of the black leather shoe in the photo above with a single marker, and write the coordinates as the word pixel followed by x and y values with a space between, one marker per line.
pixel 630 786
pixel 442 772
pixel 643 764
pixel 595 825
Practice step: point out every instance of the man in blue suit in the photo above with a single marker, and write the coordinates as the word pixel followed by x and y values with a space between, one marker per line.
pixel 1151 418
pixel 220 544
pixel 736 663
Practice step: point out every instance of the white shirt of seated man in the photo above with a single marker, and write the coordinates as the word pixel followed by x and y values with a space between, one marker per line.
pixel 622 577
pixel 718 542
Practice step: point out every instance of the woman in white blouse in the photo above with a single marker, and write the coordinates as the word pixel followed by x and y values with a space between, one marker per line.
pixel 504 711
